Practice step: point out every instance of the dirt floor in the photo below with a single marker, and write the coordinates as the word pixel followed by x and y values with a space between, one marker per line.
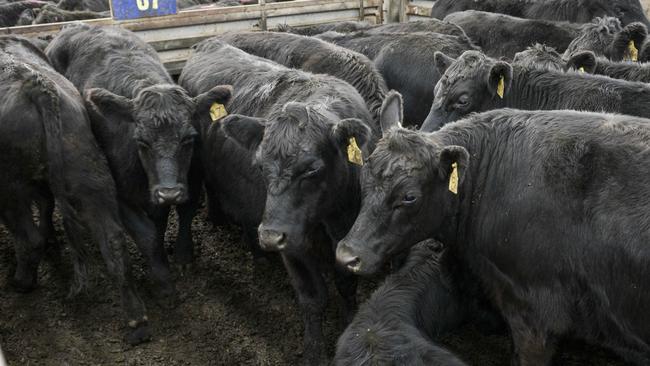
pixel 232 313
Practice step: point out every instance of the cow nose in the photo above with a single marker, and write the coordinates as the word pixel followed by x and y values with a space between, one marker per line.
pixel 272 239
pixel 348 260
pixel 168 195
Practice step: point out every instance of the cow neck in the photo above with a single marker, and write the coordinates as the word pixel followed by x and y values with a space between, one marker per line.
pixel 533 89
pixel 347 205
pixel 475 139
pixel 116 140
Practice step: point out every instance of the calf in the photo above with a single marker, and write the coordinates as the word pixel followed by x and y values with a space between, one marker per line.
pixel 501 35
pixel 536 204
pixel 405 62
pixel 306 134
pixel 318 57
pixel 48 152
pixel 430 25
pixel 606 37
pixel 476 83
pixel 402 318
pixel 576 11
pixel 142 121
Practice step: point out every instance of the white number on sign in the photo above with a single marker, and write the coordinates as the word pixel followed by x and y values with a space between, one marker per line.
pixel 144 4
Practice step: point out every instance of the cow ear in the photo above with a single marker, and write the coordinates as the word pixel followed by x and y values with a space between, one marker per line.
pixel 644 52
pixel 349 128
pixel 626 43
pixel 582 60
pixel 499 79
pixel 442 61
pixel 449 156
pixel 247 131
pixel 218 95
pixel 392 112
pixel 111 107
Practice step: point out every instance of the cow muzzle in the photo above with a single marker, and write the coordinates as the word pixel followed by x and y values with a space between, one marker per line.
pixel 272 240
pixel 346 259
pixel 169 195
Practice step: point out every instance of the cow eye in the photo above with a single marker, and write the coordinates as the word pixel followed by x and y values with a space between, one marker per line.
pixel 143 143
pixel 310 173
pixel 409 199
pixel 462 101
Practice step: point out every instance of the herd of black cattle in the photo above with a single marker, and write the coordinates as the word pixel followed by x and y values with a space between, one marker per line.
pixel 535 220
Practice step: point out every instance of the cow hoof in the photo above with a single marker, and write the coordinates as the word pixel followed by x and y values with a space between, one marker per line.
pixel 140 334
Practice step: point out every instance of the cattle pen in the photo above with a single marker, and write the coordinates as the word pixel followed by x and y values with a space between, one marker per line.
pixel 233 310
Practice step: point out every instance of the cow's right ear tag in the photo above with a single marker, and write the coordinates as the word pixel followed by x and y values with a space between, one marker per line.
pixel 217 111
pixel 632 51
pixel 501 87
pixel 355 156
pixel 453 179
pixel 581 69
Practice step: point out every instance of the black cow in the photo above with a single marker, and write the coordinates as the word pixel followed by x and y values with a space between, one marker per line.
pixel 142 121
pixel 501 35
pixel 53 14
pixel 606 37
pixel 318 57
pixel 11 13
pixel 476 83
pixel 549 210
pixel 586 61
pixel 429 25
pixel 402 318
pixel 576 11
pixel 405 62
pixel 302 128
pixel 84 5
pixel 48 151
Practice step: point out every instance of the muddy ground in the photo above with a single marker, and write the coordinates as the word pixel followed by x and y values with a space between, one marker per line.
pixel 232 313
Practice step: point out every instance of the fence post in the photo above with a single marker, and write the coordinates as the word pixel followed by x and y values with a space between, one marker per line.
pixel 362 11
pixel 396 11
pixel 263 15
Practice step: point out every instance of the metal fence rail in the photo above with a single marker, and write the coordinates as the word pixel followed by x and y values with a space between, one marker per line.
pixel 173 35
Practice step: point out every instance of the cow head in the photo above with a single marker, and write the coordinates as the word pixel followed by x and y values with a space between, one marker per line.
pixel 160 118
pixel 605 37
pixel 539 56
pixel 302 153
pixel 405 196
pixel 472 83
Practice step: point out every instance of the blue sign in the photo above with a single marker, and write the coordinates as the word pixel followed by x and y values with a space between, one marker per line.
pixel 133 9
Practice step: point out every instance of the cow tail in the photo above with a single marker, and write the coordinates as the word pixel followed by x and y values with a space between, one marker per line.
pixel 44 94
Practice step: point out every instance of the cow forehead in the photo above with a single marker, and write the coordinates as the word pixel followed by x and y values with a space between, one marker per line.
pixel 162 105
pixel 400 155
pixel 285 137
pixel 467 66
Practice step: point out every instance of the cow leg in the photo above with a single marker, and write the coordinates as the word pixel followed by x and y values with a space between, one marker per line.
pixel 249 236
pixel 184 246
pixel 106 230
pixel 30 246
pixel 146 235
pixel 46 211
pixel 311 290
pixel 346 284
pixel 531 346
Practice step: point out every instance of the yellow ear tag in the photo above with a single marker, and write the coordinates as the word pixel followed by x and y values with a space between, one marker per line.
pixel 453 179
pixel 632 51
pixel 354 153
pixel 217 111
pixel 581 69
pixel 501 87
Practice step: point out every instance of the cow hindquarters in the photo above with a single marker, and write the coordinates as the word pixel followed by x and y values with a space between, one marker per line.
pixel 311 290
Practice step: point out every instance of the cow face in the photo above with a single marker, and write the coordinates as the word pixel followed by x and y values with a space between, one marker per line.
pixel 605 37
pixel 302 154
pixel 160 120
pixel 472 83
pixel 405 197
pixel 539 56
